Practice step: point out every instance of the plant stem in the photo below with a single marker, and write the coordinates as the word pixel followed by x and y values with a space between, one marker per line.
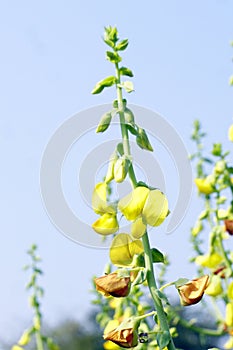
pixel 153 290
pixel 39 342
pixel 148 257
pixel 201 330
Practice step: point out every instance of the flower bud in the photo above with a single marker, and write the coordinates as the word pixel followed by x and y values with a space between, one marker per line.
pixel 123 249
pixel 107 224
pixel 215 287
pixel 138 228
pixel 113 285
pixel 125 335
pixel 155 209
pixel 132 205
pixel 192 292
pixel 143 141
pixel 25 338
pixel 204 186
pixel 129 116
pixel 104 122
pixel 121 169
pixel 110 172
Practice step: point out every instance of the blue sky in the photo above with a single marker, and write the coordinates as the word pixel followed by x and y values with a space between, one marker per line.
pixel 51 57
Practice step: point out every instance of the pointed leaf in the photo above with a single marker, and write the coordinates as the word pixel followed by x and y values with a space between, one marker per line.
pixel 126 71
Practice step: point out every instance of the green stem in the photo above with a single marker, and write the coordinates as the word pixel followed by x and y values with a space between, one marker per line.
pixel 201 330
pixel 148 257
pixel 154 290
pixel 39 342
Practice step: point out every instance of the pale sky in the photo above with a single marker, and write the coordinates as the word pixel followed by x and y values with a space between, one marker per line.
pixel 52 54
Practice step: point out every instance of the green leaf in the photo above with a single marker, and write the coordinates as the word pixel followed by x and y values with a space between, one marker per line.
pixel 113 57
pixel 122 45
pixel 141 277
pixel 120 148
pixel 163 339
pixel 107 82
pixel 157 256
pixel 163 296
pixel 131 129
pixel 126 71
pixel 180 282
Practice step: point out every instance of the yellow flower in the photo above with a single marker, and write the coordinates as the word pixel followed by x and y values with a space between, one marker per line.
pixel 123 249
pixel 230 133
pixel 229 314
pixel 16 347
pixel 230 291
pixel 209 260
pixel 99 200
pixel 215 286
pixel 204 186
pixel 138 228
pixel 113 285
pixel 192 292
pixel 132 204
pixel 107 224
pixel 155 209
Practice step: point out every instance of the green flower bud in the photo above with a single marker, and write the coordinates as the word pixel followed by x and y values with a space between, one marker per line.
pixel 104 122
pixel 143 141
pixel 129 116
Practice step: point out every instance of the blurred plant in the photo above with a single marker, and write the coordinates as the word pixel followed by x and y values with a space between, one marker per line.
pixel 131 252
pixel 215 186
pixel 37 292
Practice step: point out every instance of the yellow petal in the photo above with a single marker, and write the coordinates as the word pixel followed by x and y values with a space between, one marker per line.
pixel 155 209
pixel 119 250
pixel 229 344
pixel 138 228
pixel 230 291
pixel 229 314
pixel 209 260
pixel 132 204
pixel 204 186
pixel 135 247
pixel 106 225
pixel 109 345
pixel 215 286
